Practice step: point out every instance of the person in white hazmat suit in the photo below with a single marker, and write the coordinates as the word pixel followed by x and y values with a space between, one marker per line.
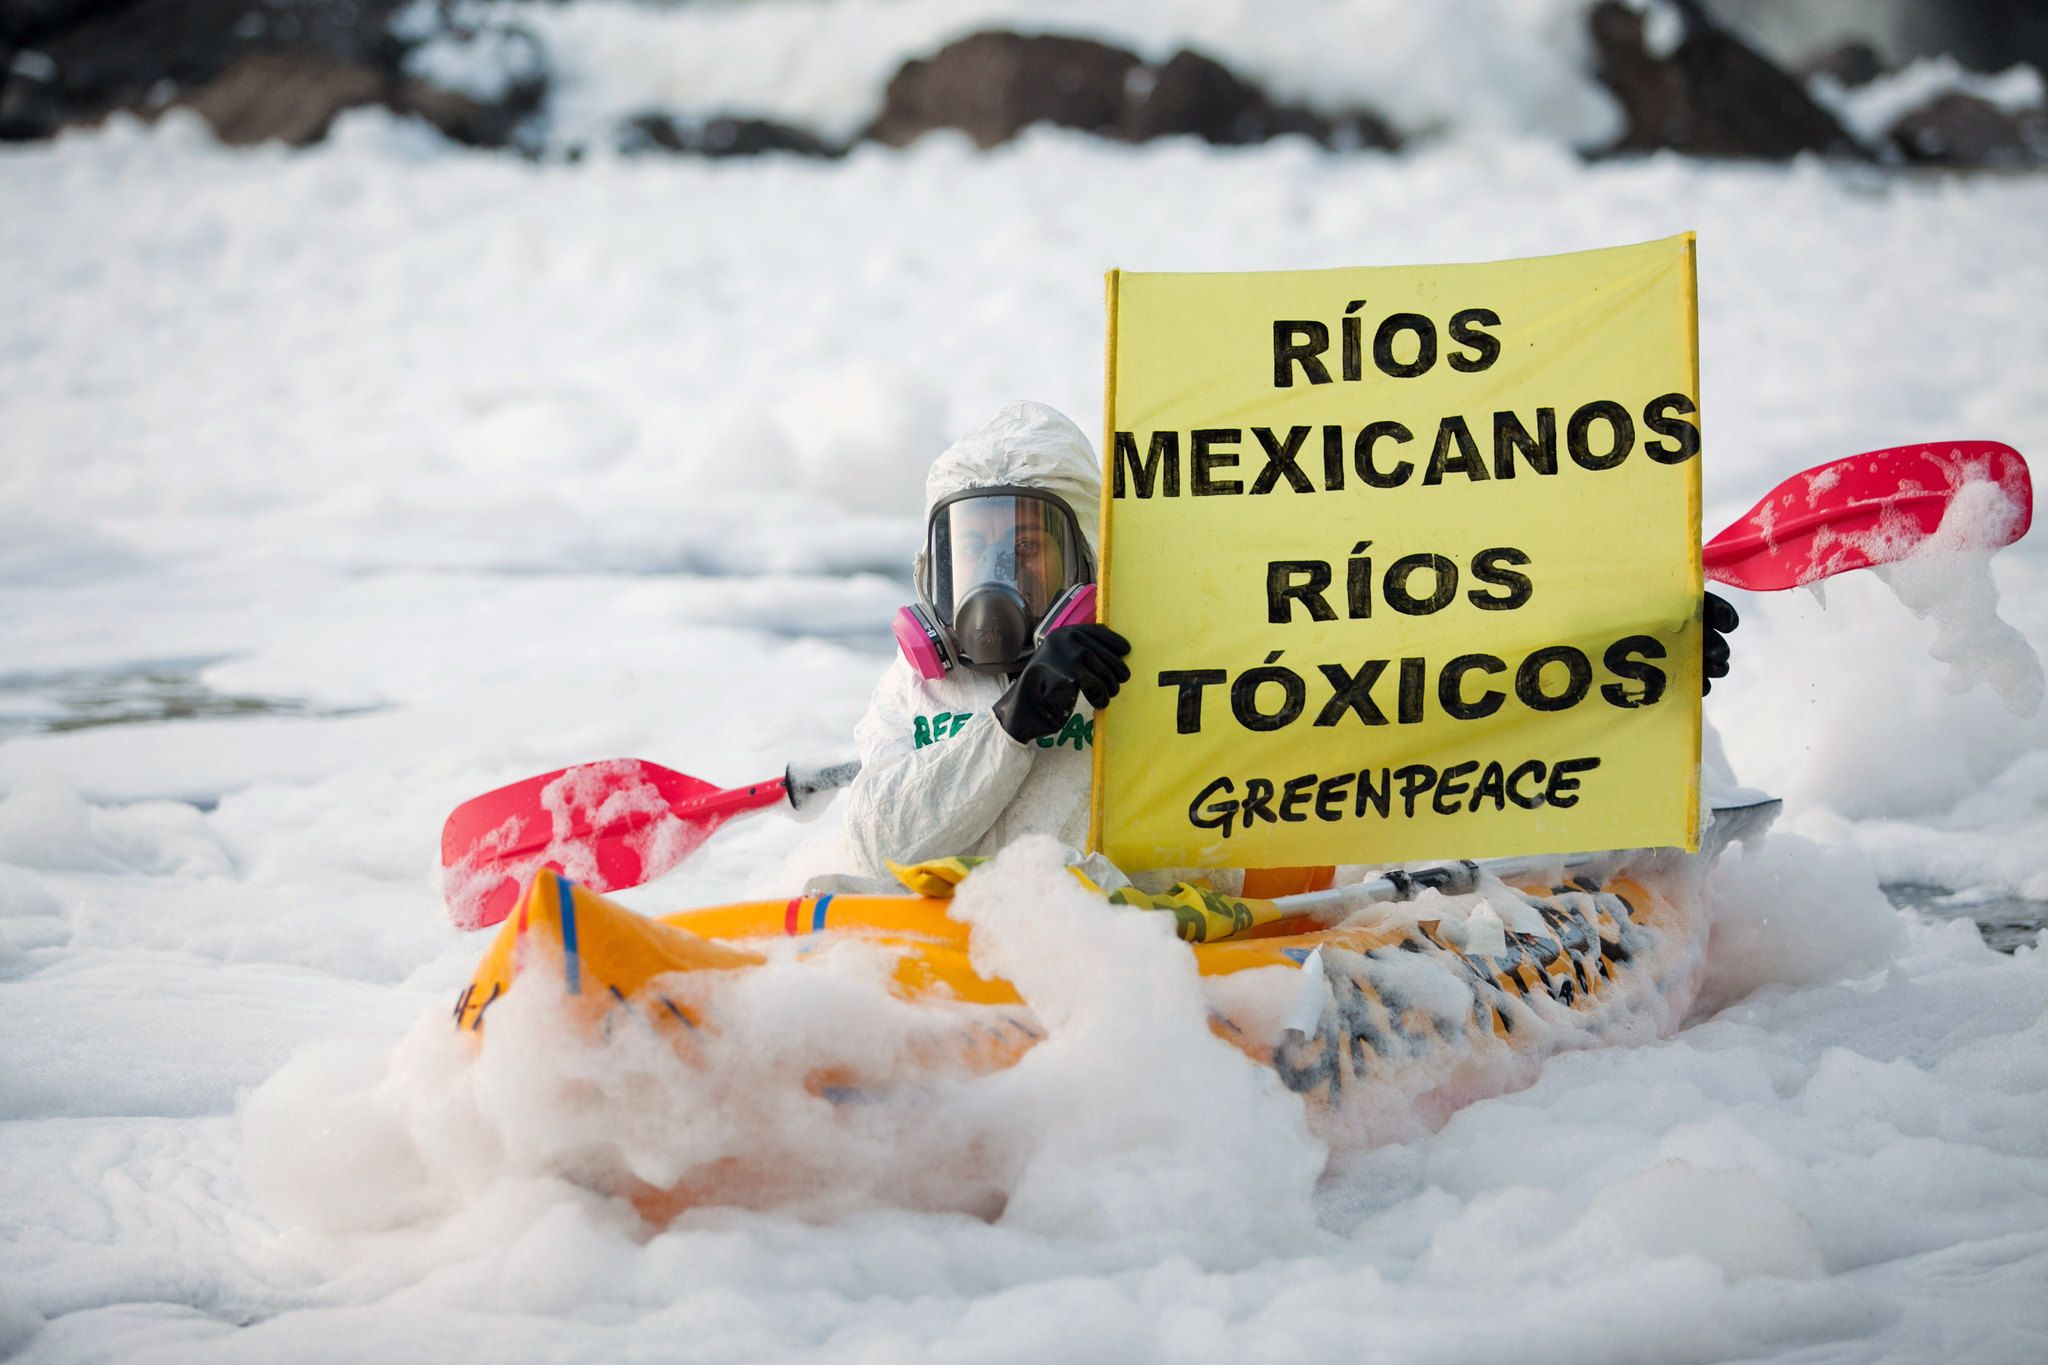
pixel 999 743
pixel 982 729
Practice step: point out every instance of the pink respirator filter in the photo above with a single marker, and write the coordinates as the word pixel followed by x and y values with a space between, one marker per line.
pixel 1075 608
pixel 919 643
pixel 923 647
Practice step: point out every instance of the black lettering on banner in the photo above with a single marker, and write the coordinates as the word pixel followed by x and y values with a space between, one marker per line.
pixel 1257 803
pixel 1639 680
pixel 1330 794
pixel 1361 454
pixel 1532 768
pixel 1491 785
pixel 1578 678
pixel 1453 433
pixel 1487 568
pixel 1282 460
pixel 1354 341
pixel 1511 438
pixel 1625 659
pixel 1452 785
pixel 1402 570
pixel 1578 439
pixel 1203 815
pixel 1333 458
pixel 1416 778
pixel 1358 582
pixel 1281 589
pixel 1399 792
pixel 1160 467
pixel 1425 345
pixel 1464 329
pixel 1450 696
pixel 1380 798
pixel 1409 701
pixel 1187 718
pixel 1204 457
pixel 1244 696
pixel 1666 416
pixel 1294 793
pixel 1352 692
pixel 1299 343
pixel 1563 785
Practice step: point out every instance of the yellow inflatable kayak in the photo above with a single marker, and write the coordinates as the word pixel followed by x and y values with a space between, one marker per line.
pixel 1404 992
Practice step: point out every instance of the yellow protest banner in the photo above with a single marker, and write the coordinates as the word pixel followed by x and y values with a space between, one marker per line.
pixel 1409 560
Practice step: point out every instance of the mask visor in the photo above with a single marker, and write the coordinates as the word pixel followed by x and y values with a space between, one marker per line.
pixel 1011 540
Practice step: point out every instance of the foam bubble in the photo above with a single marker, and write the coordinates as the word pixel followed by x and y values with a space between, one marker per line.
pixel 1789 910
pixel 1731 1218
pixel 1138 1119
pixel 1948 581
pixel 45 823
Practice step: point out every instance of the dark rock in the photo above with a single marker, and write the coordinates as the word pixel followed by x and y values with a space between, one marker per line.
pixel 464 118
pixel 1713 95
pixel 256 69
pixel 1848 64
pixel 23 23
pixel 1966 131
pixel 141 55
pixel 719 137
pixel 1191 94
pixel 290 97
pixel 994 85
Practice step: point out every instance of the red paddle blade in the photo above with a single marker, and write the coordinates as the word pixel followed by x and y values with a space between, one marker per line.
pixel 1876 508
pixel 607 825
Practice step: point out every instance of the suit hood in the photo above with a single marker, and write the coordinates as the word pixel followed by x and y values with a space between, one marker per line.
pixel 1031 446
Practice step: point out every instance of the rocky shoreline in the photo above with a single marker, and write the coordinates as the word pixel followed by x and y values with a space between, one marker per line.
pixel 283 70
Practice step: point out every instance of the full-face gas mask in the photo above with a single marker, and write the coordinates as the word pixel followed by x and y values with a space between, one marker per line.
pixel 1001 568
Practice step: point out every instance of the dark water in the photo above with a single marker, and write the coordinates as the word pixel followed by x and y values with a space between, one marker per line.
pixel 135 694
pixel 2007 922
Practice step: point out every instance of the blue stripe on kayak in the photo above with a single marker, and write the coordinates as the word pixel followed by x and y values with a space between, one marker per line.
pixel 818 913
pixel 573 967
pixel 676 1012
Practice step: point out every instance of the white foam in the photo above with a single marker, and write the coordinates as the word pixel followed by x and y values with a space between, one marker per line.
pixel 312 488
pixel 1136 1118
pixel 1948 581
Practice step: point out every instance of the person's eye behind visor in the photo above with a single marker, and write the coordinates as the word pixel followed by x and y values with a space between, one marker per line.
pixel 1021 542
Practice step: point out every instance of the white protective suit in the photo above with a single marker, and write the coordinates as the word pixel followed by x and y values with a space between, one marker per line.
pixel 938 776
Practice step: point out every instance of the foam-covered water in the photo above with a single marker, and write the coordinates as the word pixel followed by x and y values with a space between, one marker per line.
pixel 496 467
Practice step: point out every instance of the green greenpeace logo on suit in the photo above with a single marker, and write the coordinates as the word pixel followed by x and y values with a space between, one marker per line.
pixel 1079 730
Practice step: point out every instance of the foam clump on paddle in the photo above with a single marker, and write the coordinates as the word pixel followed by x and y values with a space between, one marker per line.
pixel 604 795
pixel 480 885
pixel 1948 581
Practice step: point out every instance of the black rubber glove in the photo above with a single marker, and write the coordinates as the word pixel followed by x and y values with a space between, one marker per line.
pixel 1720 618
pixel 1072 662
